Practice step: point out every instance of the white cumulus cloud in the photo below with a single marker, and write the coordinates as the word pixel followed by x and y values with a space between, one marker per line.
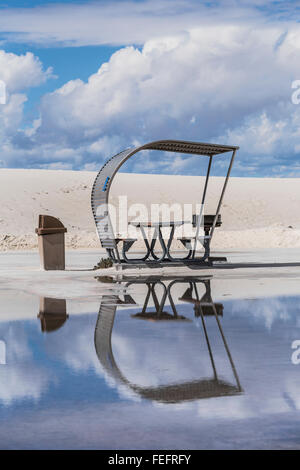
pixel 20 72
pixel 227 82
pixel 215 82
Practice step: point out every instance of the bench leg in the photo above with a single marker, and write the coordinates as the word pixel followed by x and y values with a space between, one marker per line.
pixel 171 258
pixel 127 246
pixel 206 245
pixel 157 231
pixel 112 255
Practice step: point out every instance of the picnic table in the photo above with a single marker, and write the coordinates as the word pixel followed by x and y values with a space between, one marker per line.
pixel 157 235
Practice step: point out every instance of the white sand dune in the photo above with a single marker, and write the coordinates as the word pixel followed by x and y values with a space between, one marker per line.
pixel 257 213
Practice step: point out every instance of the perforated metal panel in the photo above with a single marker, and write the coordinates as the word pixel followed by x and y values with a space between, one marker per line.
pixel 99 199
pixel 197 148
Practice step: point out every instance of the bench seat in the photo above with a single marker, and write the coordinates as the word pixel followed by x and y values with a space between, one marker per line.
pixel 187 241
pixel 126 240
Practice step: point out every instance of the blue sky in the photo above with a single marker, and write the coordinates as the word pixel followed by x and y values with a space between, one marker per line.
pixel 85 79
pixel 68 63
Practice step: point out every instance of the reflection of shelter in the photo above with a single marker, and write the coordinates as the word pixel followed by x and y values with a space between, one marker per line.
pixel 53 314
pixel 100 207
pixel 2 352
pixel 202 305
pixel 178 392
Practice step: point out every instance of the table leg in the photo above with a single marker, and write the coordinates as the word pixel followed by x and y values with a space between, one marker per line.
pixel 157 234
pixel 163 245
pixel 138 260
pixel 152 245
pixel 146 243
pixel 170 243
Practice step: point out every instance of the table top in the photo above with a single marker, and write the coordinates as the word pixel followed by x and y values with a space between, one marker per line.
pixel 171 223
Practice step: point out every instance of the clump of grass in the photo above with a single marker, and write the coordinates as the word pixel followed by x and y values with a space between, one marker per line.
pixel 104 263
pixel 104 279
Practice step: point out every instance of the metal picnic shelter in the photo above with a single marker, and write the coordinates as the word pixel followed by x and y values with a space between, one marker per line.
pixel 117 248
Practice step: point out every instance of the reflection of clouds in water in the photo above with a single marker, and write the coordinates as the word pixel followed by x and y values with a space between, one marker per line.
pixel 20 378
pixel 2 352
pixel 292 395
pixel 267 310
pixel 127 393
pixel 160 353
pixel 140 425
pixel 262 360
pixel 73 344
pixel 224 408
pixel 19 382
pixel 16 339
pixel 241 407
pixel 151 354
pixel 79 351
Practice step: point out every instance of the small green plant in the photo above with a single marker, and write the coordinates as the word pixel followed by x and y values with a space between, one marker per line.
pixel 104 279
pixel 104 263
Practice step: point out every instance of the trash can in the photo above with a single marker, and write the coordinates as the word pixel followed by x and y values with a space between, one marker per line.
pixel 51 241
pixel 52 314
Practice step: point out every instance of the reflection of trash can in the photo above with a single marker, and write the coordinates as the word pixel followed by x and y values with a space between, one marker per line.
pixel 51 238
pixel 53 314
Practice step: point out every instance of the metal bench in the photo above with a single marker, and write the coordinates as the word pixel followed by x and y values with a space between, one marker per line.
pixel 208 223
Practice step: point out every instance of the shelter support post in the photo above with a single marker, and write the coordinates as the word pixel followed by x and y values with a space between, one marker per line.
pixel 202 206
pixel 222 194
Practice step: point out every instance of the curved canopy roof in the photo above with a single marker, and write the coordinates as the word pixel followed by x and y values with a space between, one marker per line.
pixel 181 146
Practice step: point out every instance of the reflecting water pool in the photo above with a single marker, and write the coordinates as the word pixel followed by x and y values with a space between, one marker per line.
pixel 150 364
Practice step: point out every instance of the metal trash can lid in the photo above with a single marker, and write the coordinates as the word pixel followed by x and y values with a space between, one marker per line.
pixel 49 224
